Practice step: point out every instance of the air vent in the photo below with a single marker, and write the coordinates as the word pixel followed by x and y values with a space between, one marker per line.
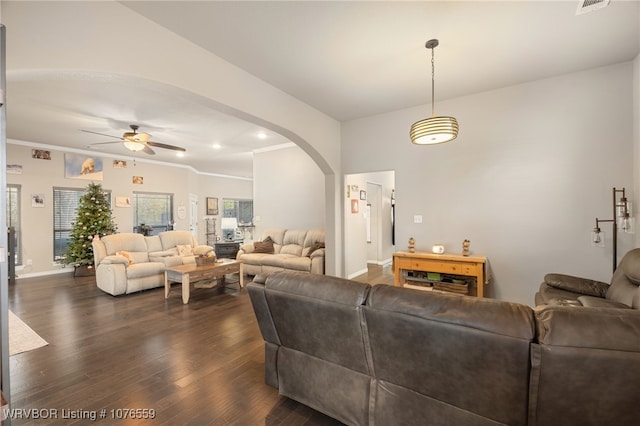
pixel 586 6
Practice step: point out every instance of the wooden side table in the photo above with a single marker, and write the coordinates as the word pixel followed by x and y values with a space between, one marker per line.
pixel 227 249
pixel 472 266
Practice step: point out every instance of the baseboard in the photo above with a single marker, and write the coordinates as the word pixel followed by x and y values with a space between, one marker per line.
pixel 355 274
pixel 381 262
pixel 45 273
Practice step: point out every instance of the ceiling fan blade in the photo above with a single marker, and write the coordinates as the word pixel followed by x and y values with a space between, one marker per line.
pixel 101 134
pixel 165 146
pixel 104 143
pixel 148 150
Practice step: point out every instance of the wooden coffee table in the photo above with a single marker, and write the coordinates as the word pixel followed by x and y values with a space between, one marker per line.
pixel 190 273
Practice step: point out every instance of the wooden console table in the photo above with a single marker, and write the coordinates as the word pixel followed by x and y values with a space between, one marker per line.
pixel 472 266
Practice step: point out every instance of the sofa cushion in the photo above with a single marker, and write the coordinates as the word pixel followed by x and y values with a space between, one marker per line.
pixel 127 241
pixel 126 255
pixel 153 243
pixel 141 270
pixel 184 249
pixel 313 236
pixel 171 239
pixel 308 251
pixel 254 258
pixel 265 246
pixel 297 263
pixel 277 235
pixel 292 249
pixel 276 259
pixel 138 257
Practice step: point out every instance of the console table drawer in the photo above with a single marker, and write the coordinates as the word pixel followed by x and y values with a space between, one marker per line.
pixel 434 266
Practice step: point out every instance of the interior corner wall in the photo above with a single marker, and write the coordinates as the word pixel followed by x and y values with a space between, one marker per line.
pixel 635 200
pixel 289 191
pixel 40 176
pixel 532 167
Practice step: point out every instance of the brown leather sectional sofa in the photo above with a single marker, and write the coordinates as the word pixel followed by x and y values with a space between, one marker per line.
pixel 386 355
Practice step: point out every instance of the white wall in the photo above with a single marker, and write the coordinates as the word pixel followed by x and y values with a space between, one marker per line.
pixel 40 176
pixel 532 167
pixel 289 190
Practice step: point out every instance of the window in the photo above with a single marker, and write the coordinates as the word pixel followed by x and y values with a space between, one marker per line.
pixel 242 210
pixel 152 212
pixel 13 219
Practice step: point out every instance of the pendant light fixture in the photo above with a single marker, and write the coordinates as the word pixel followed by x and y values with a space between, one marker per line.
pixel 435 129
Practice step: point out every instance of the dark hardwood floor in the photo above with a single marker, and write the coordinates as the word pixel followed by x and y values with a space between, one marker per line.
pixel 195 364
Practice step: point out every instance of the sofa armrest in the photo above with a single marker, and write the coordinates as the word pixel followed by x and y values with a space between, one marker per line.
pixel 245 249
pixel 202 249
pixel 577 284
pixel 317 253
pixel 317 261
pixel 599 302
pixel 115 259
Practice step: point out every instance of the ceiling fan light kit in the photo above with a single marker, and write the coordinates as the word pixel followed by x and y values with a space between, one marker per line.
pixel 435 129
pixel 137 142
pixel 134 145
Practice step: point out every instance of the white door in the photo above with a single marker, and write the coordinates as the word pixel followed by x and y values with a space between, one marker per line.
pixel 193 214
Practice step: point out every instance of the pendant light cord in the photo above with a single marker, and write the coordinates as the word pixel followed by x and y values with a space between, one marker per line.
pixel 433 83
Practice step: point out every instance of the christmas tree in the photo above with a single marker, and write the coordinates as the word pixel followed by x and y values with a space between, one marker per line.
pixel 94 218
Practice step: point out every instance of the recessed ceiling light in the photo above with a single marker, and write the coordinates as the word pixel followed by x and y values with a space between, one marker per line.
pixel 216 145
pixel 179 154
pixel 262 135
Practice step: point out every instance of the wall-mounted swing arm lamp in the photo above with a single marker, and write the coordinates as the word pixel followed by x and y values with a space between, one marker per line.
pixel 622 221
pixel 435 129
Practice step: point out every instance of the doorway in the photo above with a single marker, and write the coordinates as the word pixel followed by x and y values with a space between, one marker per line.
pixel 368 221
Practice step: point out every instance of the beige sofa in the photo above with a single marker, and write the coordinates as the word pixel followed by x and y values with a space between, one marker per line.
pixel 293 250
pixel 129 262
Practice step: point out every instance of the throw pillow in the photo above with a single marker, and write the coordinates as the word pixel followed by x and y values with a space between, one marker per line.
pixel 265 246
pixel 184 249
pixel 126 255
pixel 317 245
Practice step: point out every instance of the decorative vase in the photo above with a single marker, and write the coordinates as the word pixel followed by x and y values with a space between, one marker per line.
pixel 84 271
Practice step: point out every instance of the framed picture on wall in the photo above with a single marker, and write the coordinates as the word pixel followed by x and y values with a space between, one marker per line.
pixel 363 195
pixel 212 206
pixel 37 200
pixel 355 206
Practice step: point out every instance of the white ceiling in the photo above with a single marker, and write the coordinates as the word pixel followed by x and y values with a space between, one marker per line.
pixel 346 59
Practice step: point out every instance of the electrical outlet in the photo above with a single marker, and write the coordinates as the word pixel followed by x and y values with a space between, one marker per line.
pixel 417 218
pixel 29 262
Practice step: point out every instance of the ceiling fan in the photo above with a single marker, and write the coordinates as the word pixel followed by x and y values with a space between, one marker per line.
pixel 136 141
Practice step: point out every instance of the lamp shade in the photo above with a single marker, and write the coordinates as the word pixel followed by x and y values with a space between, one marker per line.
pixel 229 223
pixel 434 130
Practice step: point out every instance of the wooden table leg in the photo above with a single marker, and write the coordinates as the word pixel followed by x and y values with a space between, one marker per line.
pixel 167 285
pixel 185 288
pixel 241 273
